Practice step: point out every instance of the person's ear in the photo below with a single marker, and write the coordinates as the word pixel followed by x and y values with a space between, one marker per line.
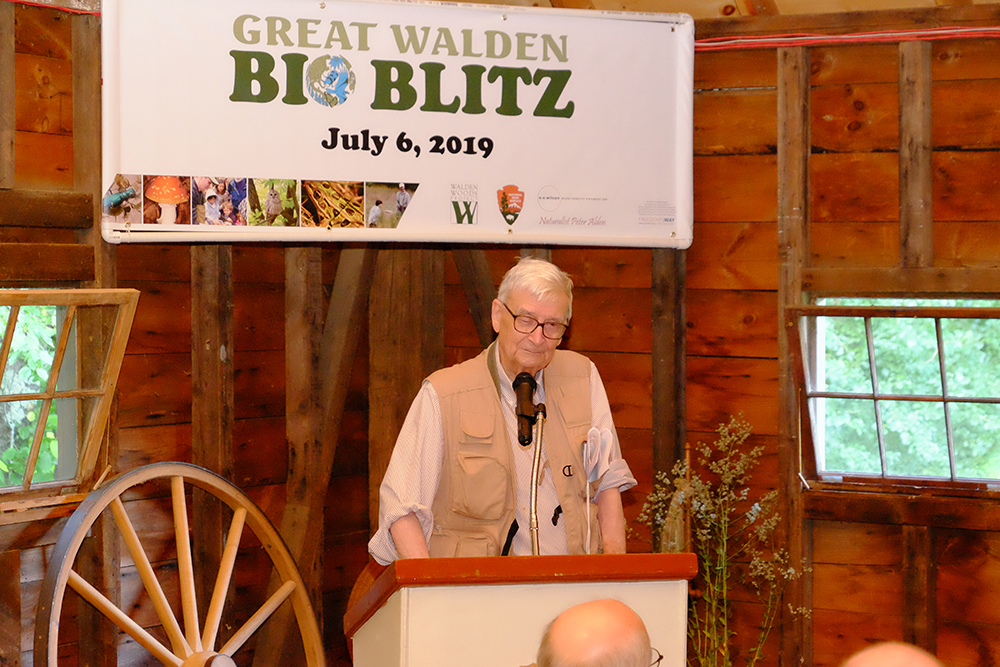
pixel 496 313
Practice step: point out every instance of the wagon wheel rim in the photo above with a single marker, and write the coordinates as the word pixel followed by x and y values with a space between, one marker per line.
pixel 191 642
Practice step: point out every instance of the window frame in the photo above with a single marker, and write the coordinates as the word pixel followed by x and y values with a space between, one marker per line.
pixel 800 322
pixel 92 426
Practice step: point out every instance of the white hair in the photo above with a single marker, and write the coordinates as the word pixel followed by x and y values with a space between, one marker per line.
pixel 543 280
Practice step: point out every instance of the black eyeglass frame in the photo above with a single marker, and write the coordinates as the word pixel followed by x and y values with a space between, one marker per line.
pixel 544 325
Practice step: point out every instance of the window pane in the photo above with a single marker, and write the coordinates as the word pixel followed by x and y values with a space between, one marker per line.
pixel 850 440
pixel 32 350
pixel 844 366
pixel 915 443
pixel 906 357
pixel 976 434
pixel 17 429
pixel 972 353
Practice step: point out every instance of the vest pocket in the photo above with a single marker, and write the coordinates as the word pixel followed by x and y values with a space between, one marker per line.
pixel 452 544
pixel 481 488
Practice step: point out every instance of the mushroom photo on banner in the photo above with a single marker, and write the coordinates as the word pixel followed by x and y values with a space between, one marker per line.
pixel 167 192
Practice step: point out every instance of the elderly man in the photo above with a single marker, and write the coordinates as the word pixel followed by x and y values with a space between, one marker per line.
pixel 892 654
pixel 458 483
pixel 602 633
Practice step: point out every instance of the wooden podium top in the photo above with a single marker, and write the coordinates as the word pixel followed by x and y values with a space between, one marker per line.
pixel 377 583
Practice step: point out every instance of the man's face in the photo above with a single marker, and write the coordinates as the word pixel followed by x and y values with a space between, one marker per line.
pixel 521 352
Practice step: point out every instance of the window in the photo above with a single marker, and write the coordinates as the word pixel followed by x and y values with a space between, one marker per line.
pixel 896 389
pixel 56 385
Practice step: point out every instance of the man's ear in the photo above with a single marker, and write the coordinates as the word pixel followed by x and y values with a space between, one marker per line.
pixel 496 314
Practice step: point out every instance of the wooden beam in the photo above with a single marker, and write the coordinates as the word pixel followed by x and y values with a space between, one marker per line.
pixel 886 281
pixel 406 341
pixel 920 587
pixel 793 250
pixel 669 368
pixel 916 208
pixel 7 120
pixel 851 22
pixel 43 208
pixel 46 262
pixel 212 403
pixel 477 281
pixel 912 509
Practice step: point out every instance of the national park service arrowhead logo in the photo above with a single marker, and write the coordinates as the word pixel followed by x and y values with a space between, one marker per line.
pixel 511 199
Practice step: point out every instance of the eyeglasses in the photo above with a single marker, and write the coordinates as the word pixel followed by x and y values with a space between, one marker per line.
pixel 657 660
pixel 527 324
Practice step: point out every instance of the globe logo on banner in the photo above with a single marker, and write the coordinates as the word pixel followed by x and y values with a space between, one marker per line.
pixel 511 199
pixel 331 80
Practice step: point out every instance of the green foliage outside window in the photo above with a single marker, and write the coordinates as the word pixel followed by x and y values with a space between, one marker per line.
pixel 28 366
pixel 908 364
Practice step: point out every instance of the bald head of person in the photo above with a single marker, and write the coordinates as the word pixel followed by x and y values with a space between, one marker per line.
pixel 892 654
pixel 602 633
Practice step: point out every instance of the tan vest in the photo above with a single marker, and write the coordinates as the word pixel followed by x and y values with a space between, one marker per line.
pixel 475 502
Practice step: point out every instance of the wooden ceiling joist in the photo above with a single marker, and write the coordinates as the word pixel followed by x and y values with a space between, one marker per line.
pixel 49 209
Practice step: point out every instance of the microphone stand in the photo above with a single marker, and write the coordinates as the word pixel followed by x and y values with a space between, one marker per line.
pixel 535 465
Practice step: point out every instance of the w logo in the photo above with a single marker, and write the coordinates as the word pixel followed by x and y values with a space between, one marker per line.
pixel 465 212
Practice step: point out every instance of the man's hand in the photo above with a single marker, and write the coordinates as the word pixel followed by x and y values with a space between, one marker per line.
pixel 409 537
pixel 611 519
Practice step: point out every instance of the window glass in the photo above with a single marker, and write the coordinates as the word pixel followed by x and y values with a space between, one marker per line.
pixel 915 441
pixel 976 433
pixel 850 441
pixel 906 356
pixel 844 365
pixel 971 351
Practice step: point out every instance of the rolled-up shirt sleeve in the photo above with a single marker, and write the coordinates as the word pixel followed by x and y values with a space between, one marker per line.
pixel 617 473
pixel 414 471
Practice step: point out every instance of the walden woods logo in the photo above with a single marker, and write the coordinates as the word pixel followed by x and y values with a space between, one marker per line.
pixel 331 80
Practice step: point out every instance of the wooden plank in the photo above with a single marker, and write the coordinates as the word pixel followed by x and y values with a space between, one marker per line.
pixel 735 122
pixel 916 215
pixel 964 183
pixel 610 319
pixel 855 118
pixel 605 267
pixel 968 563
pixel 975 513
pixel 718 388
pixel 10 606
pixel 43 97
pixel 474 270
pixel 853 64
pixel 735 188
pixel 854 186
pixel 32 262
pixel 46 209
pixel 725 323
pixel 148 262
pixel 734 255
pixel 163 318
pixel 854 244
pixel 858 588
pixel 669 349
pixel 43 161
pixel 212 404
pixel 44 31
pixel 406 307
pixel 7 115
pixel 735 69
pixel 965 115
pixel 839 634
pixel 968 644
pixel 853 543
pixel 956 59
pixel 794 214
pixel 258 317
pixel 966 244
pixel 920 587
pixel 628 381
pixel 886 281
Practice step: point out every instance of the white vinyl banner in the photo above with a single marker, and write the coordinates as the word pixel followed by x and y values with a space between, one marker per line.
pixel 237 120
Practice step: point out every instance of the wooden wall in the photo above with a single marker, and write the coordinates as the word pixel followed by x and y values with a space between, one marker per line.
pixel 864 585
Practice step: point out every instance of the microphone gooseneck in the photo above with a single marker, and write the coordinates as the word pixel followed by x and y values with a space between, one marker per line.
pixel 524 406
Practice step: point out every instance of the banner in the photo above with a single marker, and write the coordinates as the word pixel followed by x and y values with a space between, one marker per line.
pixel 237 120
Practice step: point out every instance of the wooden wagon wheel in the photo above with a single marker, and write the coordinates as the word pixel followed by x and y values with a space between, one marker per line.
pixel 194 646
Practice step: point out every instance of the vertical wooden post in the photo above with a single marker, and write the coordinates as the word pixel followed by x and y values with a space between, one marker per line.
pixel 920 587
pixel 99 559
pixel 406 339
pixel 794 249
pixel 7 94
pixel 669 364
pixel 474 270
pixel 916 215
pixel 10 608
pixel 211 402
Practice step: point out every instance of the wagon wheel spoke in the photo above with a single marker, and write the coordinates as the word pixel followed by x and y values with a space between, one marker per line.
pixel 214 617
pixel 119 618
pixel 149 580
pixel 258 618
pixel 185 566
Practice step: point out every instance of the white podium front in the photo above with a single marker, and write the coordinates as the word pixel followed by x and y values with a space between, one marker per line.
pixel 491 612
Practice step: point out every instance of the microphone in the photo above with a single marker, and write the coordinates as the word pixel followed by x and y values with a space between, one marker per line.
pixel 524 406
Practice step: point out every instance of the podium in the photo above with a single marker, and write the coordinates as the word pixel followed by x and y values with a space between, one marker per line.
pixel 491 612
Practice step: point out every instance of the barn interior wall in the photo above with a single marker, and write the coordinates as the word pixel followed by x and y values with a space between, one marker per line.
pixel 732 322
